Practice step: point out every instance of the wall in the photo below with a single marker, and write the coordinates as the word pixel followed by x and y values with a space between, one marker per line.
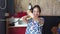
pixel 48 7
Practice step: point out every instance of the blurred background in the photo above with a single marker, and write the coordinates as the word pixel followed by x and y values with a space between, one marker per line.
pixel 12 10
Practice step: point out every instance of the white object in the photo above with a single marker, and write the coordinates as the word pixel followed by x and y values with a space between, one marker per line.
pixel 6 14
pixel 29 7
pixel 20 25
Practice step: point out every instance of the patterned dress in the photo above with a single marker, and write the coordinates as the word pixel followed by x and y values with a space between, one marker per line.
pixel 33 27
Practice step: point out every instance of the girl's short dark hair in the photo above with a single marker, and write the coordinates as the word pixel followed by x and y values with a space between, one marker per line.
pixel 37 6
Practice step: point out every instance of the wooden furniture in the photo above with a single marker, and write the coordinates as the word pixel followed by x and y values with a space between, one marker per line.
pixel 15 29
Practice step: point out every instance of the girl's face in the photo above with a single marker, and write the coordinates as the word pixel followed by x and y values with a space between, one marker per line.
pixel 36 12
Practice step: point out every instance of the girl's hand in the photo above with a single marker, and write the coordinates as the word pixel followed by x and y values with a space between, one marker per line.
pixel 24 19
pixel 30 13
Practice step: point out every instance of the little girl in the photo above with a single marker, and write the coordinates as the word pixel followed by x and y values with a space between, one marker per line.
pixel 35 23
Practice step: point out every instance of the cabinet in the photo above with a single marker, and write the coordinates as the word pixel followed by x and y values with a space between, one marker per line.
pixel 17 28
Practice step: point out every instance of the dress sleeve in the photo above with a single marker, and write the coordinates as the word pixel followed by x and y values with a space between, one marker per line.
pixel 42 20
pixel 38 21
